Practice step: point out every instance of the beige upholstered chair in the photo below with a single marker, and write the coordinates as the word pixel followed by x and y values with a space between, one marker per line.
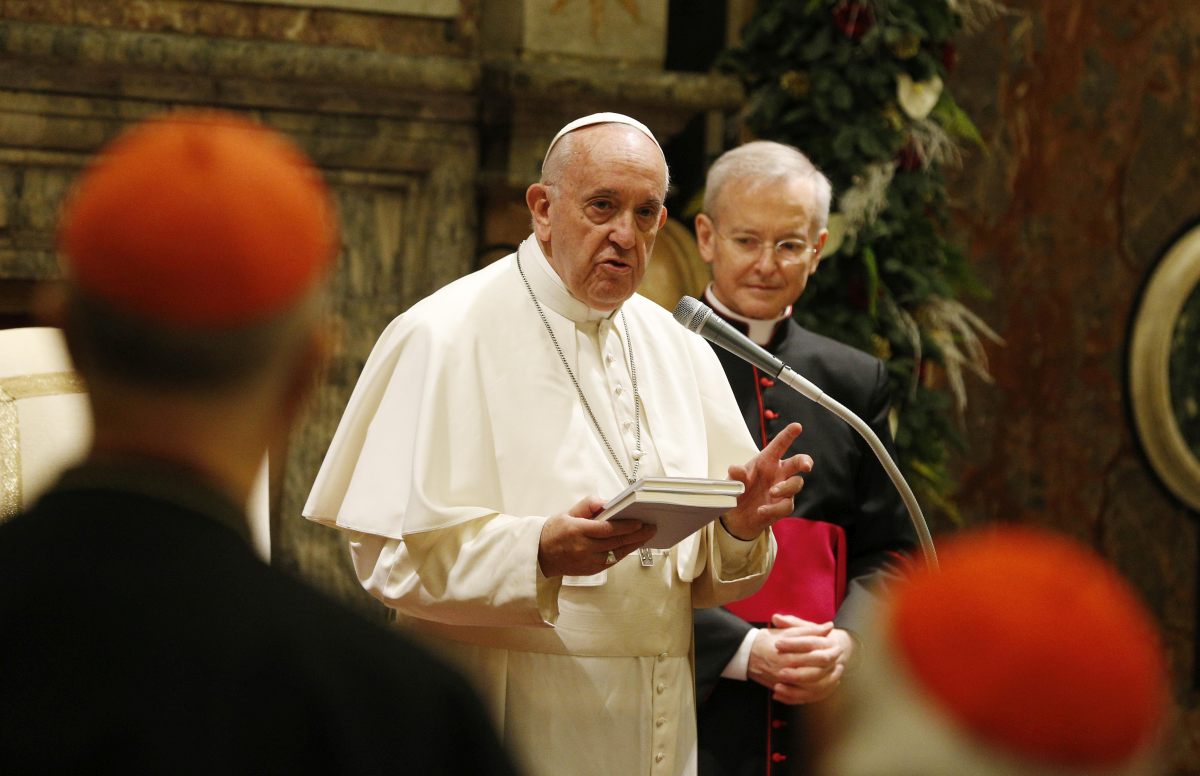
pixel 45 425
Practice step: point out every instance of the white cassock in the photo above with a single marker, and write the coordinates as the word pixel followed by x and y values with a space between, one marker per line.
pixel 464 433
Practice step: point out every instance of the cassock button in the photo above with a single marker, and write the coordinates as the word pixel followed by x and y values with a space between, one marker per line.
pixel 619 390
pixel 776 757
pixel 766 382
pixel 770 414
pixel 778 723
pixel 658 758
pixel 662 656
pixel 660 688
pixel 609 359
pixel 660 722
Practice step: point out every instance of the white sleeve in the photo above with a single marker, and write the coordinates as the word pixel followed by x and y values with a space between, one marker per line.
pixel 739 664
pixel 480 573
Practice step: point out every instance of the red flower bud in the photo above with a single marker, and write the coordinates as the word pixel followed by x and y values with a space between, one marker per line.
pixel 949 57
pixel 853 19
pixel 909 158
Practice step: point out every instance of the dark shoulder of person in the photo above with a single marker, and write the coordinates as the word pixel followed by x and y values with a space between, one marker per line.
pixel 141 638
pixel 830 362
pixel 391 704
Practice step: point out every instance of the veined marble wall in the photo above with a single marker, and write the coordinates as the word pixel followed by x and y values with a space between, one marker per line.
pixel 1090 113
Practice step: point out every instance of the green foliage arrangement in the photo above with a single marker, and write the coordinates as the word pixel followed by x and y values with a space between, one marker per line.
pixel 858 85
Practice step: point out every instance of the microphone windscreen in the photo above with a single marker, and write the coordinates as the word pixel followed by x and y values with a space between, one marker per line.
pixel 691 313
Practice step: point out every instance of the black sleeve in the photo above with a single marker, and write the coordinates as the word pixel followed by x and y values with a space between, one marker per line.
pixel 719 633
pixel 881 533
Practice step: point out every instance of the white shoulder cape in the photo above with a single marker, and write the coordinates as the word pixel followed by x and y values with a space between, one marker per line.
pixel 463 410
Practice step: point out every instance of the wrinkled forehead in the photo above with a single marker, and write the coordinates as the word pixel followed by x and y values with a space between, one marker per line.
pixel 782 202
pixel 597 119
pixel 612 155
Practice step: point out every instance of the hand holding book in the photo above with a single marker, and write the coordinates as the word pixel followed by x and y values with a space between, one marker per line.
pixel 679 506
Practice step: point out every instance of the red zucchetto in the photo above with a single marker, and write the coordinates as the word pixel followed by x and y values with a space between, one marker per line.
pixel 1026 654
pixel 1036 646
pixel 199 219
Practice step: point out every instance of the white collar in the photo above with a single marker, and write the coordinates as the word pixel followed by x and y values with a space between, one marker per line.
pixel 760 331
pixel 550 289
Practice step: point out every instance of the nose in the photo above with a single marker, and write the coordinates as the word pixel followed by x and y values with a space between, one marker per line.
pixel 765 263
pixel 624 227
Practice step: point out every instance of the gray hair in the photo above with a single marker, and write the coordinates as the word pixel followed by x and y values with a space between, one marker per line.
pixel 765 161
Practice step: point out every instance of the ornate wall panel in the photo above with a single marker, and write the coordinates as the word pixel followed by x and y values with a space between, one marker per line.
pixel 394 134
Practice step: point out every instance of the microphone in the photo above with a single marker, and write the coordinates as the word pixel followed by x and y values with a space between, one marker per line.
pixel 699 317
pixel 696 316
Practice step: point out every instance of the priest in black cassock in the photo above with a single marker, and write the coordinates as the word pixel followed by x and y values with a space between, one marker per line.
pixel 762 230
pixel 141 632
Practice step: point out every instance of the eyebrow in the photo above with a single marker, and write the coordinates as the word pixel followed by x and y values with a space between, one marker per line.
pixel 606 192
pixel 758 232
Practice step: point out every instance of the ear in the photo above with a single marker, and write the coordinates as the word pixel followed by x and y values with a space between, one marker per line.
pixel 706 236
pixel 821 238
pixel 537 199
pixel 662 217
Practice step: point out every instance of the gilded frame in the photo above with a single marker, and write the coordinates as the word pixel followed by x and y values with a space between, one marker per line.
pixel 433 9
pixel 1174 282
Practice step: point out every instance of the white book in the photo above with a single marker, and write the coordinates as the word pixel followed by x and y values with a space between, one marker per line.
pixel 679 506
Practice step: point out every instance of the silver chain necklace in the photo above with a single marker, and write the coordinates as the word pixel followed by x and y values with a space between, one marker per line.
pixel 637 399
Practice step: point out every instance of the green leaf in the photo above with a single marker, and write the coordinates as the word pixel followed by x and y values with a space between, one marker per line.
pixel 842 97
pixel 956 121
pixel 843 144
pixel 871 146
pixel 872 268
pixel 817 47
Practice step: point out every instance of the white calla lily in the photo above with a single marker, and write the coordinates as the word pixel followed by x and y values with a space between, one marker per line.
pixel 917 98
pixel 837 234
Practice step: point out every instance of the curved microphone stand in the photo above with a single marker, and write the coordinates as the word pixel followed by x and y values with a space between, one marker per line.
pixel 699 317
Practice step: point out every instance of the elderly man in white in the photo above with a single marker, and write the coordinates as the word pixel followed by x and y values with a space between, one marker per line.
pixel 490 424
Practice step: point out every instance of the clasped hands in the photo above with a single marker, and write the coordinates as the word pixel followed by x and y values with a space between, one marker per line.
pixel 798 660
pixel 572 543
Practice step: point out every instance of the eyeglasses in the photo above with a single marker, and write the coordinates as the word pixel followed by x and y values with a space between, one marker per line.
pixel 788 251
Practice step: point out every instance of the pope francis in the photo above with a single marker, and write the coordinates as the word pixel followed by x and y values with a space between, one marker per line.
pixel 490 424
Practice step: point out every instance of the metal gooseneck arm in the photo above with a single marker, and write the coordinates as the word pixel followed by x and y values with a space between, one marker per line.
pixel 699 317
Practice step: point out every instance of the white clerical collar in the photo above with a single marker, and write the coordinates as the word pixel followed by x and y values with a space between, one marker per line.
pixel 760 331
pixel 550 288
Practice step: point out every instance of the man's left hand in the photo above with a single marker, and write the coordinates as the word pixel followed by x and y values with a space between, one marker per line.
pixel 816 662
pixel 771 483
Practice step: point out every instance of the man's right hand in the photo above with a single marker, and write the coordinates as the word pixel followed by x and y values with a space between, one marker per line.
pixel 798 660
pixel 574 544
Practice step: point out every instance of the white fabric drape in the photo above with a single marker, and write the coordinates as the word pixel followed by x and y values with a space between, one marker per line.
pixel 464 433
